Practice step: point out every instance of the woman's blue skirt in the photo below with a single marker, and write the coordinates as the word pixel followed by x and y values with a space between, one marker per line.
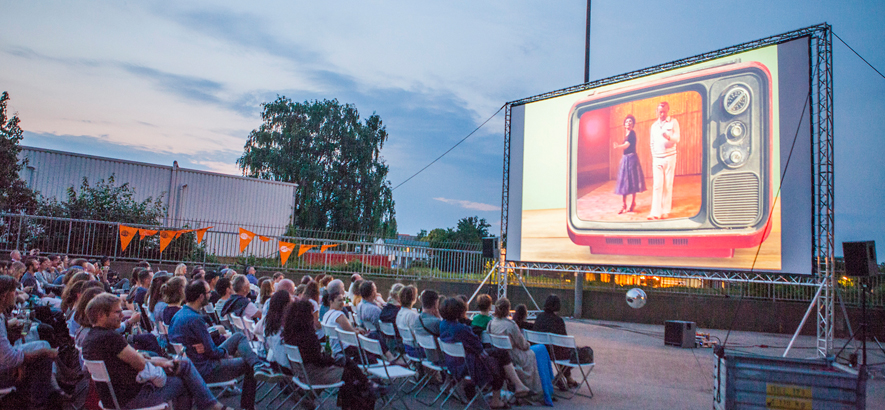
pixel 630 177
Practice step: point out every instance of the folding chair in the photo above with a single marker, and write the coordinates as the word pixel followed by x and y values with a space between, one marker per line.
pixel 386 372
pixel 501 342
pixel 569 343
pixel 351 339
pixel 7 391
pixel 428 343
pixel 225 386
pixel 484 338
pixel 389 332
pixel 413 361
pixel 100 375
pixel 296 362
pixel 457 350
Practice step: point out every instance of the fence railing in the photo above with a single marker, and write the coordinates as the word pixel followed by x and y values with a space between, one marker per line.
pixel 221 245
pixel 367 256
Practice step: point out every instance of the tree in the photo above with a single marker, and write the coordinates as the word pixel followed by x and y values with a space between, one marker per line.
pixel 106 201
pixel 15 196
pixel 469 230
pixel 333 157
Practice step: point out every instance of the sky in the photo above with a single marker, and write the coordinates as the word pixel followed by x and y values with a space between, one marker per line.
pixel 159 81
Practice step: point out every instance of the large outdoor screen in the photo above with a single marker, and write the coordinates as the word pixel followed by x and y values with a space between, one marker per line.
pixel 683 168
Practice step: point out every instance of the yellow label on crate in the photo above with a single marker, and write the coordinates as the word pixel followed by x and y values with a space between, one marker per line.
pixel 788 390
pixel 787 403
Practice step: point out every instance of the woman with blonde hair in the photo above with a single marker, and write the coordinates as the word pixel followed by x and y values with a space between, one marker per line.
pixel 180 270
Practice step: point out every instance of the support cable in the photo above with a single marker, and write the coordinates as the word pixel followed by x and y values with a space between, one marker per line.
pixel 858 54
pixel 450 149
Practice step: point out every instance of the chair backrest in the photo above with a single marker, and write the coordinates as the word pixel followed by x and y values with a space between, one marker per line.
pixel 538 338
pixel 331 331
pixel 237 321
pixel 501 342
pixel 179 348
pixel 98 370
pixel 452 349
pixel 347 338
pixel 371 345
pixel 210 307
pixel 99 373
pixel 370 326
pixel 387 328
pixel 293 354
pixel 562 341
pixel 484 337
pixel 162 328
pixel 408 337
pixel 426 342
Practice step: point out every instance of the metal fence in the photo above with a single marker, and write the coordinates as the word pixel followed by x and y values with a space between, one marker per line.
pixel 345 253
pixel 364 254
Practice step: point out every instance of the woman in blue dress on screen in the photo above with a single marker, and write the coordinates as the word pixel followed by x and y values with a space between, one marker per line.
pixel 630 178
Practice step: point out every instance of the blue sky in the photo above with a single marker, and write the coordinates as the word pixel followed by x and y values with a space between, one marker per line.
pixel 164 81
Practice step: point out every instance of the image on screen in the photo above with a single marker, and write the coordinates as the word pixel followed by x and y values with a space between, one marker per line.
pixel 616 167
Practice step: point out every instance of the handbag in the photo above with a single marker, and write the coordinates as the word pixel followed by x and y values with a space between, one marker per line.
pixel 581 355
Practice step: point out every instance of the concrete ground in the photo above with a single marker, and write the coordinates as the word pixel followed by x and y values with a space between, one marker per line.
pixel 635 370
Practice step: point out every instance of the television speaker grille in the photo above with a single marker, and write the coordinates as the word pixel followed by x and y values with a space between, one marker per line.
pixel 736 199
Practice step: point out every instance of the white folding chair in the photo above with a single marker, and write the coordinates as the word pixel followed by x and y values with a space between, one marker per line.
pixel 413 361
pixel 484 338
pixel 225 386
pixel 100 375
pixel 387 372
pixel 537 338
pixel 431 349
pixel 569 343
pixel 457 350
pixel 501 342
pixel 351 339
pixel 297 364
pixel 389 331
pixel 7 391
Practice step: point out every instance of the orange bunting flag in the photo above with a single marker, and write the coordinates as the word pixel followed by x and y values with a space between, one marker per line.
pixel 324 247
pixel 126 235
pixel 245 239
pixel 263 238
pixel 144 233
pixel 182 232
pixel 201 232
pixel 286 249
pixel 165 238
pixel 304 248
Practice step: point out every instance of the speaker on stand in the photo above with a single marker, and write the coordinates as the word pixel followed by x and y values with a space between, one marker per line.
pixel 860 262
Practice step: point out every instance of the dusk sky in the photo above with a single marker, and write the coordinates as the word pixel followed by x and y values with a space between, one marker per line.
pixel 163 81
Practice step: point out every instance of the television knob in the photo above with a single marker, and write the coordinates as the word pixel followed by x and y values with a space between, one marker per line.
pixel 736 157
pixel 736 100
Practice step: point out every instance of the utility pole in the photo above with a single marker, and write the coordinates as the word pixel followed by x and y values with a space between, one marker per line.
pixel 579 276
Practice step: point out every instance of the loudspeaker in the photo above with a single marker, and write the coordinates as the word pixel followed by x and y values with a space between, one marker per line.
pixel 860 258
pixel 488 247
pixel 680 333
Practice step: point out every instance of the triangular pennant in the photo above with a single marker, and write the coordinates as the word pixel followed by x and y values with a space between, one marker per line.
pixel 201 232
pixel 263 238
pixel 144 233
pixel 245 239
pixel 182 232
pixel 286 249
pixel 126 235
pixel 324 247
pixel 304 248
pixel 165 238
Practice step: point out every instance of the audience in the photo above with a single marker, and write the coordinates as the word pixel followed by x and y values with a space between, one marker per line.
pixel 520 314
pixel 272 327
pixel 184 387
pixel 232 359
pixel 407 316
pixel 225 291
pixel 155 302
pixel 481 320
pixel 173 296
pixel 337 318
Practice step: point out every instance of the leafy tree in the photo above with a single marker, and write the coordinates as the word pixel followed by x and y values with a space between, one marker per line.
pixel 106 201
pixel 468 231
pixel 15 196
pixel 333 157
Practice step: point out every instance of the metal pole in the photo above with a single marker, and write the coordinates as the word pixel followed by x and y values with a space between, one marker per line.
pixel 587 47
pixel 579 294
pixel 811 306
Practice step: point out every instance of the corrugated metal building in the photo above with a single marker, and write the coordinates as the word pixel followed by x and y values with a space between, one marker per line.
pixel 189 195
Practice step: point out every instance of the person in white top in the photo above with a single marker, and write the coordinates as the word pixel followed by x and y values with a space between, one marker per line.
pixel 663 137
pixel 407 316
pixel 336 317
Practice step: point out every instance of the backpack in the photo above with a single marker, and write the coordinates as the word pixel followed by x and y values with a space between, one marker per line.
pixel 582 355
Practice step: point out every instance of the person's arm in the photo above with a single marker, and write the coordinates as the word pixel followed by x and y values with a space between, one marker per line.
pixel 132 358
pixel 344 324
pixel 470 341
pixel 516 337
pixel 201 333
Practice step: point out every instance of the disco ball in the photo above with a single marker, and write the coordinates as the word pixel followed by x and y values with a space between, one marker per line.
pixel 636 298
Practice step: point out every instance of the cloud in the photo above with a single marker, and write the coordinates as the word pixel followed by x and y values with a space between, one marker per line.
pixel 479 206
pixel 220 167
pixel 193 88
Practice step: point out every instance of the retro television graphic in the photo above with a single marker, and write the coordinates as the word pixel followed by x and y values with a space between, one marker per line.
pixel 722 190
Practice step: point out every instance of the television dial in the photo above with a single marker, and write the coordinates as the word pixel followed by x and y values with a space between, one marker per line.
pixel 736 100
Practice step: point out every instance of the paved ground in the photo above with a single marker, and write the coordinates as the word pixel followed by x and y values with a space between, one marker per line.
pixel 635 370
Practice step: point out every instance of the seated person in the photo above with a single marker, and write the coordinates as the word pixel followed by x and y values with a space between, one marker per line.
pixel 522 355
pixel 481 320
pixel 486 366
pixel 370 314
pixel 224 294
pixel 520 314
pixel 549 322
pixel 28 367
pixel 184 387
pixel 427 322
pixel 336 317
pixel 216 363
pixel 239 303
pixel 406 318
pixel 138 294
pixel 173 295
pixel 272 327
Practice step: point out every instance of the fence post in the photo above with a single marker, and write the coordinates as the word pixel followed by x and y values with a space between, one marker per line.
pixel 19 235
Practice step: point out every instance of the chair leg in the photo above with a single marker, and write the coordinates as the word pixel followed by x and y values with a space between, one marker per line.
pixel 442 391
